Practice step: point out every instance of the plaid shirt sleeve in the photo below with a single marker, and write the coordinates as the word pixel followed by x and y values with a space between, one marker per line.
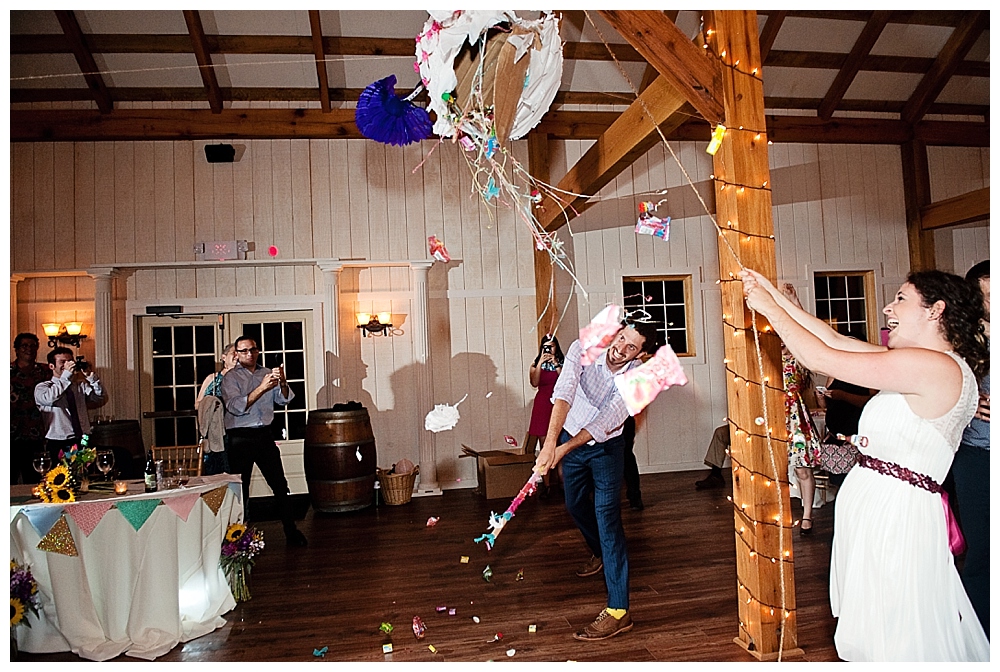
pixel 569 380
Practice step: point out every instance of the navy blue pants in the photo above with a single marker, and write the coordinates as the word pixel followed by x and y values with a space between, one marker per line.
pixel 971 471
pixel 597 471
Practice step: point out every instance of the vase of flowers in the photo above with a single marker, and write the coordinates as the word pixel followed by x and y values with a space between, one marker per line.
pixel 23 601
pixel 240 549
pixel 77 460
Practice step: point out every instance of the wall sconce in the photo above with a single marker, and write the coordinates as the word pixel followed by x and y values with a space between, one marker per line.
pixel 67 334
pixel 371 325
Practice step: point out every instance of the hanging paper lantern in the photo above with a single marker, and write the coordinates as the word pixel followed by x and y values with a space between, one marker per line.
pixel 383 116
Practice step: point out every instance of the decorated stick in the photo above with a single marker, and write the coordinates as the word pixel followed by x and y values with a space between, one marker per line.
pixel 497 523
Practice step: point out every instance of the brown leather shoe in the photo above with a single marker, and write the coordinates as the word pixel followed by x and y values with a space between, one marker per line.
pixel 604 626
pixel 591 567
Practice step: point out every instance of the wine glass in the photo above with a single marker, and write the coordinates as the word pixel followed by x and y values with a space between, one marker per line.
pixel 105 462
pixel 182 476
pixel 42 463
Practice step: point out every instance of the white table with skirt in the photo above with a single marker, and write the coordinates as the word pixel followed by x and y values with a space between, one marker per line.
pixel 131 574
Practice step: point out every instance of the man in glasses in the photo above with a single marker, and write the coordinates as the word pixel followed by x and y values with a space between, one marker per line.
pixel 249 393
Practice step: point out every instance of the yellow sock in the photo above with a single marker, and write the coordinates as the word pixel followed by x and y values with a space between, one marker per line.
pixel 617 613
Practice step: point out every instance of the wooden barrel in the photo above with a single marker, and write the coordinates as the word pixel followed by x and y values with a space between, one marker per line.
pixel 340 460
pixel 124 438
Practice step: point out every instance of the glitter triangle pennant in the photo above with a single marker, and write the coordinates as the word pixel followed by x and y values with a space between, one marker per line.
pixel 42 518
pixel 59 539
pixel 88 514
pixel 213 498
pixel 138 511
pixel 182 504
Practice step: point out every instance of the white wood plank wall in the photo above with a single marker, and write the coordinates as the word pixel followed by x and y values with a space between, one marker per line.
pixel 77 205
pixel 956 171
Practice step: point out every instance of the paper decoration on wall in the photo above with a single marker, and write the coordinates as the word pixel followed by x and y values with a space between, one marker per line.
pixel 437 249
pixel 213 498
pixel 383 116
pixel 138 511
pixel 597 336
pixel 443 417
pixel 59 539
pixel 87 515
pixel 651 225
pixel 639 386
pixel 182 504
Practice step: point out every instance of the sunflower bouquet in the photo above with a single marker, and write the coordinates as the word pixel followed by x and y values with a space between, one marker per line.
pixel 240 549
pixel 57 486
pixel 23 598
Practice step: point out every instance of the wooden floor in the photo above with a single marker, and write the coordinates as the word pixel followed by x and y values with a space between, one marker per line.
pixel 385 565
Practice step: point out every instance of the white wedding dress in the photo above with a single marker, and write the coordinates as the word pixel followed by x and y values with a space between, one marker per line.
pixel 893 581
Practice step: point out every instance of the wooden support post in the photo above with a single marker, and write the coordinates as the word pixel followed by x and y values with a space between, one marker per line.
pixel 545 304
pixel 763 520
pixel 916 195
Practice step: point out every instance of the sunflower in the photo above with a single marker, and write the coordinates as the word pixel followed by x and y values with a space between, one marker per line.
pixel 16 611
pixel 235 532
pixel 62 495
pixel 58 477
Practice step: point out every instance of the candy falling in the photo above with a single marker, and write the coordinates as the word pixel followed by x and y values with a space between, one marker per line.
pixel 419 629
pixel 432 521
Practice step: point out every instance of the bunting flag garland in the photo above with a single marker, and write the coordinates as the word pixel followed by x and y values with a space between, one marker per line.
pixel 59 540
pixel 182 504
pixel 237 489
pixel 88 514
pixel 42 518
pixel 213 498
pixel 137 511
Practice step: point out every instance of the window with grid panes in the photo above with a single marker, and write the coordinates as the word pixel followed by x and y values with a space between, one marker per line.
pixel 282 343
pixel 843 300
pixel 667 300
pixel 183 355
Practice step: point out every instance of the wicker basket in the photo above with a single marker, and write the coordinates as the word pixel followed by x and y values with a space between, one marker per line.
pixel 397 488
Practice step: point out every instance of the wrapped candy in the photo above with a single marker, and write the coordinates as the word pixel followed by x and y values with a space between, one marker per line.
pixel 437 249
pixel 639 386
pixel 419 629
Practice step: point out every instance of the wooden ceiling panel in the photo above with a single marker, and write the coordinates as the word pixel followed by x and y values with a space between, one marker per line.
pixel 794 83
pixel 151 70
pixel 275 70
pixel 165 22
pixel 41 67
pixel 806 34
pixel 870 85
pixel 964 90
pixel 912 40
pixel 256 22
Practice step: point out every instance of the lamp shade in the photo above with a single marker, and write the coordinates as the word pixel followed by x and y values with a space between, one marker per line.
pixel 363 318
pixel 74 328
pixel 384 318
pixel 51 329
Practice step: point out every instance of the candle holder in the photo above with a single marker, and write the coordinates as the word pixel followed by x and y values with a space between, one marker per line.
pixel 121 487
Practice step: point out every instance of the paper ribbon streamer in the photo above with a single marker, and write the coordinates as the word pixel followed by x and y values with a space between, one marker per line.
pixel 182 504
pixel 138 511
pixel 437 249
pixel 443 417
pixel 497 523
pixel 88 514
pixel 213 498
pixel 59 539
pixel 639 386
pixel 597 336
pixel 42 518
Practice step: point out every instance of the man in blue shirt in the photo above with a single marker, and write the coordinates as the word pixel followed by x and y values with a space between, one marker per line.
pixel 249 393
pixel 971 471
pixel 585 433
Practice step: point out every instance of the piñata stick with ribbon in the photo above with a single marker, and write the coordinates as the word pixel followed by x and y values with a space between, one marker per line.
pixel 497 522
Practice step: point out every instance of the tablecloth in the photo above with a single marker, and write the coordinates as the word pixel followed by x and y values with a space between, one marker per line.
pixel 145 575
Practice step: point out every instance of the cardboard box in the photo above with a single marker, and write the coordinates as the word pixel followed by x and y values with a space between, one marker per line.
pixel 501 474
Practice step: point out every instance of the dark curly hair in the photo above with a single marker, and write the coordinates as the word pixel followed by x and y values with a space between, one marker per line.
pixel 962 316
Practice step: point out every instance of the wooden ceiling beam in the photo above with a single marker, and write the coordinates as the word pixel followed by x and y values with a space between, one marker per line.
pixel 312 123
pixel 317 40
pixel 954 51
pixel 688 69
pixel 204 58
pixel 769 32
pixel 852 65
pixel 969 207
pixel 651 73
pixel 85 59
pixel 630 135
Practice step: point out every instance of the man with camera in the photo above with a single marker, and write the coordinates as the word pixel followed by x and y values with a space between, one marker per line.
pixel 63 400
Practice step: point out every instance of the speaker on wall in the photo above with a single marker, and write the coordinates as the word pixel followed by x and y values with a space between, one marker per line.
pixel 220 153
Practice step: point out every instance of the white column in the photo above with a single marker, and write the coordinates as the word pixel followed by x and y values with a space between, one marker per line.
pixel 331 329
pixel 104 333
pixel 14 331
pixel 425 391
